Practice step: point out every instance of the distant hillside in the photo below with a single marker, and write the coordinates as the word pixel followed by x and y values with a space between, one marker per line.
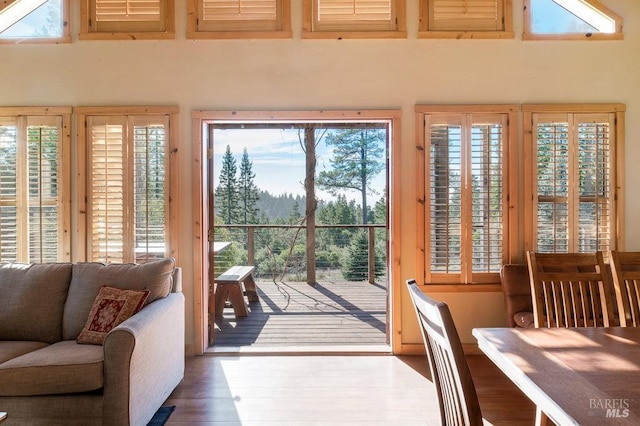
pixel 279 206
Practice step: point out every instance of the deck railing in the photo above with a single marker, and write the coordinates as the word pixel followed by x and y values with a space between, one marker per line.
pixel 280 251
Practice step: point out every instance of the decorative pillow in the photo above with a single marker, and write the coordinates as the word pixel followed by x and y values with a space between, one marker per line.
pixel 111 307
pixel 88 277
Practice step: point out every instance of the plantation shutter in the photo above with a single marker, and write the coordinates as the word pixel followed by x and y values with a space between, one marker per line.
pixel 107 190
pixel 466 15
pixel 150 190
pixel 446 192
pixel 486 185
pixel 128 15
pixel 9 190
pixel 128 196
pixel 574 211
pixel 30 200
pixel 466 223
pixel 240 15
pixel 360 15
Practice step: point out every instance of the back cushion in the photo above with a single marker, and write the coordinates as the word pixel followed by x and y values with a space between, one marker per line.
pixel 32 299
pixel 88 277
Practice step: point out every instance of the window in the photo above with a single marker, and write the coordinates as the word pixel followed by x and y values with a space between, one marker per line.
pixel 570 20
pixel 573 195
pixel 354 19
pixel 127 19
pixel 466 19
pixel 34 21
pixel 34 184
pixel 465 190
pixel 239 19
pixel 129 184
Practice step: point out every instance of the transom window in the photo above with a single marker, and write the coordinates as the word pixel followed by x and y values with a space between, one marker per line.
pixel 570 19
pixel 34 21
pixel 239 18
pixel 466 19
pixel 127 19
pixel 354 18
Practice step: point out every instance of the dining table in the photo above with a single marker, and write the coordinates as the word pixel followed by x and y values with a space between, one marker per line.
pixel 575 376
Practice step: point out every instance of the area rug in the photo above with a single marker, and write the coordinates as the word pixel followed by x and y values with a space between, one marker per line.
pixel 162 415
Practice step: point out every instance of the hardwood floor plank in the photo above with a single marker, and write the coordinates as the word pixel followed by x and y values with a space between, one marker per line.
pixel 330 390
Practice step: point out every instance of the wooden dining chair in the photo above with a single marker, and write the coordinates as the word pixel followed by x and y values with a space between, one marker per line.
pixel 450 373
pixel 570 290
pixel 625 269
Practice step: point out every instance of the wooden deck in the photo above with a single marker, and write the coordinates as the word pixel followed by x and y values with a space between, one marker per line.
pixel 295 314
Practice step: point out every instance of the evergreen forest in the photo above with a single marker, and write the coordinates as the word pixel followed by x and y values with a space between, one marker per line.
pixel 276 223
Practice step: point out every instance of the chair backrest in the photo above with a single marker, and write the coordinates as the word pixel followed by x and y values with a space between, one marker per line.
pixel 625 268
pixel 570 290
pixel 449 369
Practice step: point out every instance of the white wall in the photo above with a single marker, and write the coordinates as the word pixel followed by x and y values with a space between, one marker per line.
pixel 331 74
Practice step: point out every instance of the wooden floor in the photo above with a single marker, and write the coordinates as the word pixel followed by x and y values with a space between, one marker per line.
pixel 331 390
pixel 297 314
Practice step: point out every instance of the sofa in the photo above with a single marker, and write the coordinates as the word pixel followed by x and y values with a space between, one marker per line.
pixel 50 376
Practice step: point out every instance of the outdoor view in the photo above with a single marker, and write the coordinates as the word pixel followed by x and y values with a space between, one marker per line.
pixel 33 19
pixel 302 201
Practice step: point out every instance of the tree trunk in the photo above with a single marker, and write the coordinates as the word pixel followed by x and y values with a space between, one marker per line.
pixel 310 209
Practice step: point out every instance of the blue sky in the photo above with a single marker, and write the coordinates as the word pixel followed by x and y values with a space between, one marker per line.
pixel 33 22
pixel 278 160
pixel 550 18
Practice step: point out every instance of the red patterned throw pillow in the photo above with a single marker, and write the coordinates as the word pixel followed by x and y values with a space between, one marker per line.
pixel 111 307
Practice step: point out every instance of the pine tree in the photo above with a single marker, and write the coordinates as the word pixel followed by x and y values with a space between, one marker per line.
pixel 358 157
pixel 247 191
pixel 380 210
pixel 356 266
pixel 226 194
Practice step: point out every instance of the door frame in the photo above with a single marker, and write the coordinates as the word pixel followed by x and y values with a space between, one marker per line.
pixel 200 120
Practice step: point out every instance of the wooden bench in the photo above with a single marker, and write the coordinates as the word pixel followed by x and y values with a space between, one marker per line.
pixel 229 286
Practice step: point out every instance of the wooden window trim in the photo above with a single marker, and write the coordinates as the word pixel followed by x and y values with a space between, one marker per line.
pixel 82 114
pixel 87 33
pixel 510 185
pixel 64 174
pixel 617 238
pixel 195 33
pixel 618 35
pixel 425 32
pixel 64 38
pixel 310 32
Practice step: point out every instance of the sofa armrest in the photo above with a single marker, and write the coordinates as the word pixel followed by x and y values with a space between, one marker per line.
pixel 517 293
pixel 144 362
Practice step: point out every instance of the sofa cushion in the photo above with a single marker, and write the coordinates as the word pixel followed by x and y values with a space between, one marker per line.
pixel 10 349
pixel 88 277
pixel 33 298
pixel 111 307
pixel 63 367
